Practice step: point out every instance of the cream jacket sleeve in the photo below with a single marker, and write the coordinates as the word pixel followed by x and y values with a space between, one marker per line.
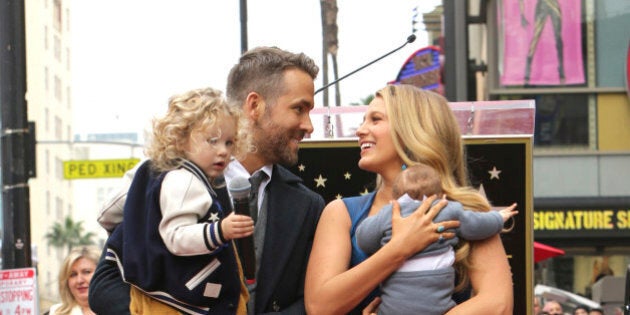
pixel 184 200
pixel 111 213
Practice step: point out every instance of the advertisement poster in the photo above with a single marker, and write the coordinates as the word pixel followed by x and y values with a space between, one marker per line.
pixel 18 292
pixel 541 42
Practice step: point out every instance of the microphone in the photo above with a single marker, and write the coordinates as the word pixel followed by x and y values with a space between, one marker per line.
pixel 410 39
pixel 239 188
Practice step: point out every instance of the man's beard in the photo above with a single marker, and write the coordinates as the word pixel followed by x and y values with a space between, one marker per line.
pixel 272 143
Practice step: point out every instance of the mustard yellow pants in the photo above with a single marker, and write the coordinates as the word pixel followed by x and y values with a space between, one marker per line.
pixel 141 304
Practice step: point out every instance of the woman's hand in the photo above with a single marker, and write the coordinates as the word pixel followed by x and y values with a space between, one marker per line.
pixel 236 226
pixel 417 231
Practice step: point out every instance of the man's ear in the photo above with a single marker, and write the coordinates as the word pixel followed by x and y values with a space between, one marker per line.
pixel 254 106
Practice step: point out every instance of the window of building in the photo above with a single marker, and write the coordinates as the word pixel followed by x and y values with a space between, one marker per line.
pixel 58 168
pixel 47 119
pixel 58 207
pixel 48 202
pixel 45 37
pixel 47 161
pixel 561 119
pixel 57 87
pixel 57 15
pixel 68 98
pixel 46 79
pixel 58 128
pixel 57 47
pixel 67 58
pixel 612 22
pixel 67 20
pixel 49 278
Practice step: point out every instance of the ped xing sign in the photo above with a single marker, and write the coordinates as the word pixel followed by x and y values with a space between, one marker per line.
pixel 97 168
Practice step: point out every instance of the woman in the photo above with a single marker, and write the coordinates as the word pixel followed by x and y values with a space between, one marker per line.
pixel 404 126
pixel 74 280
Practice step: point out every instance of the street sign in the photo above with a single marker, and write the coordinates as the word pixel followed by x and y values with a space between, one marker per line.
pixel 97 168
pixel 18 291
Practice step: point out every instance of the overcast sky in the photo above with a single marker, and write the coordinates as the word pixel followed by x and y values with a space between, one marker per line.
pixel 129 57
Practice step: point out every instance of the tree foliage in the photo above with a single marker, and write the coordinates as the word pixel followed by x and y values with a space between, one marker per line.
pixel 69 234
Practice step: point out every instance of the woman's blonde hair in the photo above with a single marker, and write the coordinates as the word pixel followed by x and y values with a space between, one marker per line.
pixel 67 299
pixel 424 130
pixel 189 113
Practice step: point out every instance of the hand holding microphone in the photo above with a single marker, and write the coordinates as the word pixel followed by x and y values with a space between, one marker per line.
pixel 236 226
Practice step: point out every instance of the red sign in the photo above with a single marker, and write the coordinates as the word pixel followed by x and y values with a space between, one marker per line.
pixel 422 69
pixel 18 292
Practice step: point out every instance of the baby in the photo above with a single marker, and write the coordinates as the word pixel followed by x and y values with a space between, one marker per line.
pixel 425 283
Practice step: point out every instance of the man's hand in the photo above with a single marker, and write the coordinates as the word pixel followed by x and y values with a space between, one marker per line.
pixel 372 308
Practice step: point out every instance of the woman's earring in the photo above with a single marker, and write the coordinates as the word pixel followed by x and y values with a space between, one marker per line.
pixel 404 167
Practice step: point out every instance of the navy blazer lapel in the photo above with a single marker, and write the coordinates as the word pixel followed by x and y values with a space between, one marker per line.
pixel 285 218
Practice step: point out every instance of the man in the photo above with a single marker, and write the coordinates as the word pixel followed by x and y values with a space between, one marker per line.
pixel 553 307
pixel 275 89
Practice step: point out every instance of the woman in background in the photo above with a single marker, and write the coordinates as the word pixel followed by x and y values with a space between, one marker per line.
pixel 74 280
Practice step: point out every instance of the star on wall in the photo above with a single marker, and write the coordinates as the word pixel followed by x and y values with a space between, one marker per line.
pixel 338 196
pixel 347 175
pixel 494 173
pixel 301 167
pixel 320 181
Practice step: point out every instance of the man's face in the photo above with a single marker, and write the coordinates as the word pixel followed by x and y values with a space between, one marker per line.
pixel 553 308
pixel 285 123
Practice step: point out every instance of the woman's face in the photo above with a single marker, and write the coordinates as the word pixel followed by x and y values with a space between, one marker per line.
pixel 378 153
pixel 79 280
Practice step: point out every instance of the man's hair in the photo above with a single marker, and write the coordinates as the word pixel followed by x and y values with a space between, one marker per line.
pixel 261 70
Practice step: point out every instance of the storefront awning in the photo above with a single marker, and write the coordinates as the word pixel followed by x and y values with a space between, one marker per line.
pixel 542 251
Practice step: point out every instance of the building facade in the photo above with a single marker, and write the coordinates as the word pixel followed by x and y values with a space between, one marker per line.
pixel 571 57
pixel 49 90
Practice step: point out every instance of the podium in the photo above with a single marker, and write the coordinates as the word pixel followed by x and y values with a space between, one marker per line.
pixel 498 139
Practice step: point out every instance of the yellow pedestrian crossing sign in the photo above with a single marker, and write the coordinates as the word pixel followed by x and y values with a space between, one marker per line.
pixel 97 168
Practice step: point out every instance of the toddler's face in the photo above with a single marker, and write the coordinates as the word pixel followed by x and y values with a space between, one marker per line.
pixel 212 148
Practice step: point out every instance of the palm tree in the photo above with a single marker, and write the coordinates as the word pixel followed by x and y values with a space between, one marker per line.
pixel 330 45
pixel 69 234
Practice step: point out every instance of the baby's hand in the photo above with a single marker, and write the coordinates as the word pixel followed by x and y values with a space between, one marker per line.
pixel 508 212
pixel 237 226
